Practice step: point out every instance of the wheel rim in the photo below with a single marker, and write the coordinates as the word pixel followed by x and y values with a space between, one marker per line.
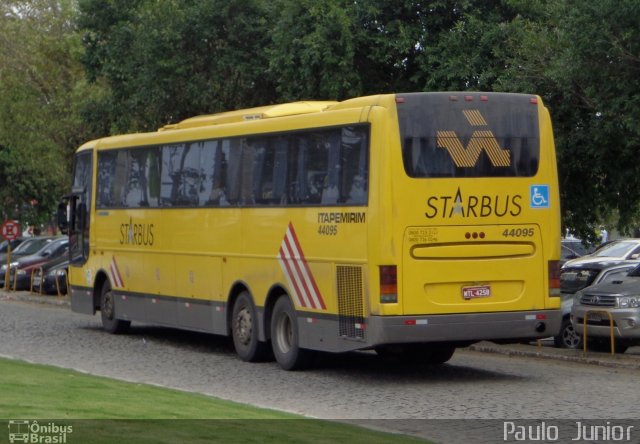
pixel 243 326
pixel 284 333
pixel 107 306
pixel 570 337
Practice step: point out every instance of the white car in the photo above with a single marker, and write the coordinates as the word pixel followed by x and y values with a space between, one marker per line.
pixel 623 249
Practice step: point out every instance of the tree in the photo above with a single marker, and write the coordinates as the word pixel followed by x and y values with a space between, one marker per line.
pixel 165 60
pixel 40 87
pixel 602 69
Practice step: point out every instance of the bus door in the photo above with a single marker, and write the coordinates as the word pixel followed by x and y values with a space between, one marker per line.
pixel 80 208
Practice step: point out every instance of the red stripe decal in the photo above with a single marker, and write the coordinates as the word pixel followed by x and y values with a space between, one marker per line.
pixel 115 274
pixel 296 269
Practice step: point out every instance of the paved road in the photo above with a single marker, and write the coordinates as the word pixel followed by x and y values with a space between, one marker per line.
pixel 356 386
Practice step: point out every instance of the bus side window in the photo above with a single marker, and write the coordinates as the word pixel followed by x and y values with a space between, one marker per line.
pixel 356 164
pixel 210 161
pixel 152 191
pixel 189 176
pixel 280 148
pixel 137 188
pixel 234 170
pixel 330 192
pixel 121 179
pixel 170 178
pixel 316 167
pixel 106 175
pixel 269 172
pixel 249 154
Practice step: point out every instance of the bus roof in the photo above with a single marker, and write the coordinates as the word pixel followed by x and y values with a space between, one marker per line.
pixel 262 112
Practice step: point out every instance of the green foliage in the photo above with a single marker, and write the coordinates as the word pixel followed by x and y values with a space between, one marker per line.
pixel 312 51
pixel 602 59
pixel 38 124
pixel 145 63
pixel 165 60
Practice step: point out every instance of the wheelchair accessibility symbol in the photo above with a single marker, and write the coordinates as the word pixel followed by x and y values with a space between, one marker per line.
pixel 539 196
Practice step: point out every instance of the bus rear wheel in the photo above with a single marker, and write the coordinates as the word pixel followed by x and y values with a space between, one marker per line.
pixel 108 312
pixel 285 337
pixel 244 330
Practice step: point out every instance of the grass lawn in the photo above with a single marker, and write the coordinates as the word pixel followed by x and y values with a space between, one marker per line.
pixel 102 410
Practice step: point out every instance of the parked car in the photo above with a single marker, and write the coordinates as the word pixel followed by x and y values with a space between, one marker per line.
pixel 573 248
pixel 23 267
pixel 623 249
pixel 27 247
pixel 4 245
pixel 581 275
pixel 573 279
pixel 55 277
pixel 619 298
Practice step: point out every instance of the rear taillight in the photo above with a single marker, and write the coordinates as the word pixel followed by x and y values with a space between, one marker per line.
pixel 554 278
pixel 388 284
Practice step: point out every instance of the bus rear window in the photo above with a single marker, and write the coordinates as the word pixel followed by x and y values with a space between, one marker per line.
pixel 469 134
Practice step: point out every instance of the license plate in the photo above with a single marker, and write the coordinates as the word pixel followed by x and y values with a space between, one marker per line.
pixel 476 291
pixel 595 317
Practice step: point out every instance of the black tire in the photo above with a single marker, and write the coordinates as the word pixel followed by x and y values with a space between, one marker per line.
pixel 568 337
pixel 107 312
pixel 427 354
pixel 285 337
pixel 441 355
pixel 244 330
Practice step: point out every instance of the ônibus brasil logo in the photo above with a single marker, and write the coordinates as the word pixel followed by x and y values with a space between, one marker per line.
pixel 33 432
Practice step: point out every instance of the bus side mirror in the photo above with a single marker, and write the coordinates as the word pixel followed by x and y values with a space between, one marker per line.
pixel 63 220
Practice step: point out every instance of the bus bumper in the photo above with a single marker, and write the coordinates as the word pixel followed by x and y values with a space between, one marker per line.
pixel 472 327
pixel 82 300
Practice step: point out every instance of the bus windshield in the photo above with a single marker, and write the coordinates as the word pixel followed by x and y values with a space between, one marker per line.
pixel 472 135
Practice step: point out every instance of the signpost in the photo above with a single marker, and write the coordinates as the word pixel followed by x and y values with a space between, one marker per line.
pixel 10 231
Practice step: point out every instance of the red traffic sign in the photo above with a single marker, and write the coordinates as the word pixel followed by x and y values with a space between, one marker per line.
pixel 10 229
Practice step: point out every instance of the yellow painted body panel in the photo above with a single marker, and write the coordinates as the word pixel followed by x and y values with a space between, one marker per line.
pixel 202 253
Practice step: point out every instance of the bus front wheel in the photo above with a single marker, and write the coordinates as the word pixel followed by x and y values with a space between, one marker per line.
pixel 285 337
pixel 108 312
pixel 244 330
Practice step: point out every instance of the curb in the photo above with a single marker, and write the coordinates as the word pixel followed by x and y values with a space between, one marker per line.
pixel 25 296
pixel 627 361
pixel 561 354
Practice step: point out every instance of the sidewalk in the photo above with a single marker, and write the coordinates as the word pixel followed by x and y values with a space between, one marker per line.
pixel 630 359
pixel 543 350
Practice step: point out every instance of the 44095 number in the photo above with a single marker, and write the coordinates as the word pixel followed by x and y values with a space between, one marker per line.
pixel 328 230
pixel 518 232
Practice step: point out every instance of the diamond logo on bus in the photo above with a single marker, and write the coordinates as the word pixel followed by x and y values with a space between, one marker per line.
pixel 481 140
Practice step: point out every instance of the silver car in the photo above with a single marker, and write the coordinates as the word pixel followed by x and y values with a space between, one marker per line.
pixel 576 278
pixel 618 297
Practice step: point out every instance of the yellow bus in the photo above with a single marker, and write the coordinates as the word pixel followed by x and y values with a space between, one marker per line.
pixel 410 224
